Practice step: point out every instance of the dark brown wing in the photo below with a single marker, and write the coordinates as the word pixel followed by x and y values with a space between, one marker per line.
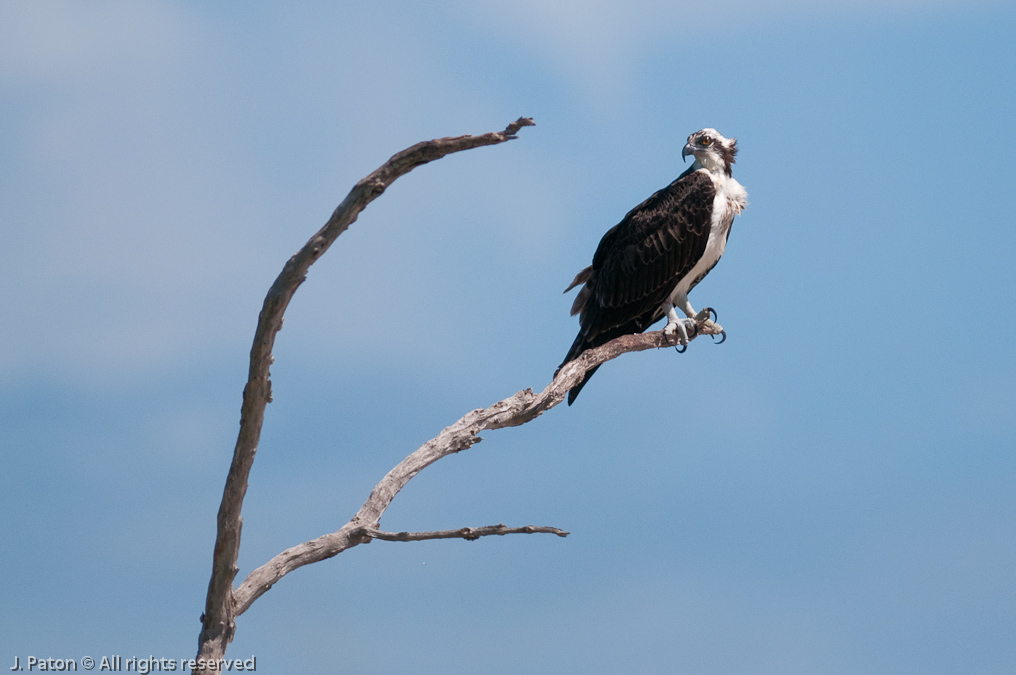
pixel 639 262
pixel 641 259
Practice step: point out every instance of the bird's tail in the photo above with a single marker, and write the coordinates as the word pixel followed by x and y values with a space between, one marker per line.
pixel 583 342
pixel 580 345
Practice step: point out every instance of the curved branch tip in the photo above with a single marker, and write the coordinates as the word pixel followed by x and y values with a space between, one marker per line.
pixel 514 127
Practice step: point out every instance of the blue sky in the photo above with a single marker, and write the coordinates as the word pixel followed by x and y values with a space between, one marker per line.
pixel 830 491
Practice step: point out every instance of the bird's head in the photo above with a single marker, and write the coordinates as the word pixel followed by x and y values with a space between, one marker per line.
pixel 711 150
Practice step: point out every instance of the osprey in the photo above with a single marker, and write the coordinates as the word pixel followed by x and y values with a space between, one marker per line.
pixel 646 265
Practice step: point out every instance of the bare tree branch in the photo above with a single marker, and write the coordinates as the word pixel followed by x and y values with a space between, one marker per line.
pixel 470 533
pixel 223 603
pixel 218 619
pixel 513 411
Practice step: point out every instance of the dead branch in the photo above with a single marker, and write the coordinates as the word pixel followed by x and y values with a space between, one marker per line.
pixel 218 619
pixel 513 411
pixel 223 603
pixel 469 533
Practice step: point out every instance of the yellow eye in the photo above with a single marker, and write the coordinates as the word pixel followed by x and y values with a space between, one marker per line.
pixel 706 142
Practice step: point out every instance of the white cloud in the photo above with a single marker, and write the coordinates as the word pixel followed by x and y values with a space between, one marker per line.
pixel 125 192
pixel 598 44
pixel 62 38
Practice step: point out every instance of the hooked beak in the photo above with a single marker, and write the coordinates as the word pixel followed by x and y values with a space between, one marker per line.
pixel 688 150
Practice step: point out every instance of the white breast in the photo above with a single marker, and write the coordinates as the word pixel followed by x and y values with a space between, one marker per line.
pixel 731 198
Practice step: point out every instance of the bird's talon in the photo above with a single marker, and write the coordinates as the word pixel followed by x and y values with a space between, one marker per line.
pixel 707 314
pixel 723 337
pixel 676 333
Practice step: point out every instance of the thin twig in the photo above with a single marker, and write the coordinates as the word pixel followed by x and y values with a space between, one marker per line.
pixel 470 533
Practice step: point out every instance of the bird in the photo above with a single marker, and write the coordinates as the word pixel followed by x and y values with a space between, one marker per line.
pixel 645 266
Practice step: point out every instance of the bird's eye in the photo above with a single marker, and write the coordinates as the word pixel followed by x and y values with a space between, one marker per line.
pixel 706 142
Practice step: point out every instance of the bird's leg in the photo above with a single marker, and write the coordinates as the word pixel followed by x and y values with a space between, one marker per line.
pixel 704 320
pixel 676 330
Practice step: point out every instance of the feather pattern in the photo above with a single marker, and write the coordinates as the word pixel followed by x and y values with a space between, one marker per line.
pixel 641 259
pixel 647 260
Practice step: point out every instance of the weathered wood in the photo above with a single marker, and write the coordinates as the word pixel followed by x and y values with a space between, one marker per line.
pixel 223 603
pixel 218 619
pixel 513 411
